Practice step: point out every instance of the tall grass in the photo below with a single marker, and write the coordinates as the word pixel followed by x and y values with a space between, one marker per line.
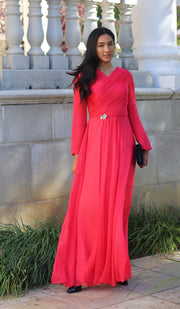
pixel 27 253
pixel 153 230
pixel 26 256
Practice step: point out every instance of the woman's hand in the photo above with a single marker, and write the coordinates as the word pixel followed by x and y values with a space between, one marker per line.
pixel 145 157
pixel 74 163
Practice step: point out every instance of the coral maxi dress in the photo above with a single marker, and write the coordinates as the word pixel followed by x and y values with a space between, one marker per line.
pixel 93 244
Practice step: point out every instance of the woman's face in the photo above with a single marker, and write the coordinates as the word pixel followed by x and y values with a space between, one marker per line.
pixel 105 48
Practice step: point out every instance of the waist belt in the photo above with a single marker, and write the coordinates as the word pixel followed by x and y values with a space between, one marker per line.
pixel 104 116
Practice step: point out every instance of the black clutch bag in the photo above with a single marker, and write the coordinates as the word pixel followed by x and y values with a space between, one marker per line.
pixel 139 154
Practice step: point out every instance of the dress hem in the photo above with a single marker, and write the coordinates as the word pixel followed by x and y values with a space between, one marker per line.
pixel 91 284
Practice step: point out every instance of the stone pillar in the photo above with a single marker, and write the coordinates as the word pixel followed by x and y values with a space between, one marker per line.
pixel 35 37
pixel 55 37
pixel 90 20
pixel 125 38
pixel 155 31
pixel 15 56
pixel 73 34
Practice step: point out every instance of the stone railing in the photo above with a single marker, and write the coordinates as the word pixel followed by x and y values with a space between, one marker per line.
pixel 55 59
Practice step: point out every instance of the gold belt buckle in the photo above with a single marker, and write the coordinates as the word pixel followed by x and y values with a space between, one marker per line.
pixel 104 116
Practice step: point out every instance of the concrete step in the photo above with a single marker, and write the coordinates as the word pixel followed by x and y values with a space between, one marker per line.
pixel 54 79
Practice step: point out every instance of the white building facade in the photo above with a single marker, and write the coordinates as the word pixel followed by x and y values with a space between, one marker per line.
pixel 155 33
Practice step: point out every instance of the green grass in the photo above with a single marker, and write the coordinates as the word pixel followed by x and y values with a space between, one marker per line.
pixel 27 253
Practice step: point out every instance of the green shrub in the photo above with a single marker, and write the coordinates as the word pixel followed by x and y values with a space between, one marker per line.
pixel 153 231
pixel 26 256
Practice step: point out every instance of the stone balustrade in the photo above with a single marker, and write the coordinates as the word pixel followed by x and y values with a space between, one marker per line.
pixel 55 59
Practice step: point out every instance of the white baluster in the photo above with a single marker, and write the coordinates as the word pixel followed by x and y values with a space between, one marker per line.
pixel 14 33
pixel 54 31
pixel 55 37
pixel 90 20
pixel 15 56
pixel 126 39
pixel 73 34
pixel 108 19
pixel 35 36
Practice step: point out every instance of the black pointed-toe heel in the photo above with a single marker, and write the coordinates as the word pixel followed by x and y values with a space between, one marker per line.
pixel 74 289
pixel 123 282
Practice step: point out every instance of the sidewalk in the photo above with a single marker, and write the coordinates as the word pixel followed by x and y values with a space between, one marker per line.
pixel 141 293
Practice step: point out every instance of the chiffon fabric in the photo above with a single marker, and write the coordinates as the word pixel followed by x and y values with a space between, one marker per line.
pixel 93 244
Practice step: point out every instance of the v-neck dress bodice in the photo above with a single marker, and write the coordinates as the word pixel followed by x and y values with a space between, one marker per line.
pixel 93 244
pixel 108 88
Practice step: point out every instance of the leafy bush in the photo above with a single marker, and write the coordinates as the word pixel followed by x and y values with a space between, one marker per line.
pixel 153 231
pixel 26 256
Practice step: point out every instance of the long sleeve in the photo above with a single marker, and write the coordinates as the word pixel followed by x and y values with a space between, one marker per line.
pixel 135 121
pixel 79 122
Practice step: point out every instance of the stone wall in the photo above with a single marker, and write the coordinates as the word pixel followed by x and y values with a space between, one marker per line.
pixel 35 156
pixel 159 183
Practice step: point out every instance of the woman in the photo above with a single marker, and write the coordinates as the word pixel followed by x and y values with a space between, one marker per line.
pixel 93 245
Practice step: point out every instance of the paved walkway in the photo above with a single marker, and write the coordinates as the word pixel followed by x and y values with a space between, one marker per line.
pixel 155 284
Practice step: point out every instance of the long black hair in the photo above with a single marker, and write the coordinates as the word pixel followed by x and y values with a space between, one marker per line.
pixel 85 73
